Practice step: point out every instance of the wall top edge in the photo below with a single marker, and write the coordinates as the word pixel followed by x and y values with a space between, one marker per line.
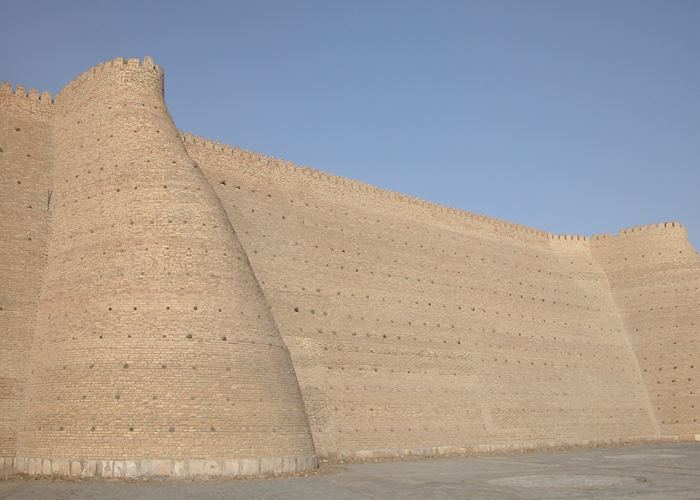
pixel 145 64
pixel 270 161
pixel 353 184
pixel 7 89
pixel 19 91
pixel 669 225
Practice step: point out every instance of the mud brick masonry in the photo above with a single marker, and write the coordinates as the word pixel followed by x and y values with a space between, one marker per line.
pixel 173 306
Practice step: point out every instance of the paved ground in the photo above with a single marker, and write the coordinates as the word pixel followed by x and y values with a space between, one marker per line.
pixel 668 471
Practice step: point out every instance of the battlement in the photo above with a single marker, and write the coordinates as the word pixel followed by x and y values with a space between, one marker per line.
pixel 116 64
pixel 661 226
pixel 352 184
pixel 648 227
pixel 20 92
pixel 18 102
pixel 42 100
pixel 355 185
pixel 18 99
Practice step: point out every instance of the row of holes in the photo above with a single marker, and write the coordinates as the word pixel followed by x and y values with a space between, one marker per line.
pixel 543 299
pixel 423 231
pixel 408 323
pixel 345 266
pixel 487 250
pixel 132 428
pixel 433 282
pixel 224 183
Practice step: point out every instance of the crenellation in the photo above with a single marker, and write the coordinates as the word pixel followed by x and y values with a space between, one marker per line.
pixel 672 225
pixel 189 138
pixel 103 69
pixel 22 104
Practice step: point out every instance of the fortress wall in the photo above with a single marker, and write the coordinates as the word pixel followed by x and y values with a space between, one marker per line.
pixel 155 350
pixel 25 155
pixel 415 327
pixel 152 282
pixel 654 273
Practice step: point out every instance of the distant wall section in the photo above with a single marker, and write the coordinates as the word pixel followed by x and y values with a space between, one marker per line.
pixel 654 274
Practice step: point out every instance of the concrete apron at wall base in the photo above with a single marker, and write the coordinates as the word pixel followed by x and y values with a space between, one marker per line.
pixel 532 445
pixel 153 467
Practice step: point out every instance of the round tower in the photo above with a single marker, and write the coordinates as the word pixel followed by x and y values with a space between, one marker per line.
pixel 155 350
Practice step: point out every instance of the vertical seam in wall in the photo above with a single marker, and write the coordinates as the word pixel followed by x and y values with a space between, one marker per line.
pixel 23 413
pixel 236 235
pixel 620 314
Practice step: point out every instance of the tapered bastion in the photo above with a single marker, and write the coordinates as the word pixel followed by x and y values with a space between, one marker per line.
pixel 153 339
pixel 170 306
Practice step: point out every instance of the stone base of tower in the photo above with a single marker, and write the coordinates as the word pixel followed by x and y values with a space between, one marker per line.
pixel 155 467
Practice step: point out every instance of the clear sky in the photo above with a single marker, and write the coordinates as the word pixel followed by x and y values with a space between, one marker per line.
pixel 570 116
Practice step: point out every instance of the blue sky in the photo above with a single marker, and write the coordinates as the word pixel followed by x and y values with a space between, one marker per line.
pixel 570 116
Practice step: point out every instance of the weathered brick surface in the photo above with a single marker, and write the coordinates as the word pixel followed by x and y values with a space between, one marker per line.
pixel 145 324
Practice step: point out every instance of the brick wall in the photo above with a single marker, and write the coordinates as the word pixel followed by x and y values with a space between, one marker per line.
pixel 413 325
pixel 25 160
pixel 173 306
